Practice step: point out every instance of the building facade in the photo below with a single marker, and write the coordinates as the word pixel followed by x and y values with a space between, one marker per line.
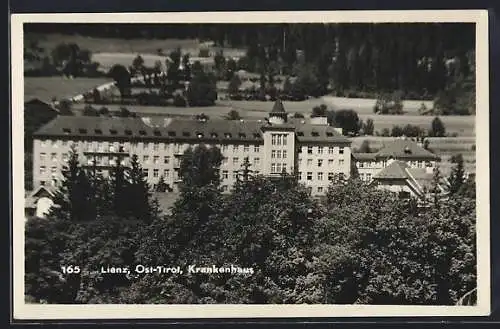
pixel 313 151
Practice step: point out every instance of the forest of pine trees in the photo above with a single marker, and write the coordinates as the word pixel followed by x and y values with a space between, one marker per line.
pixel 422 61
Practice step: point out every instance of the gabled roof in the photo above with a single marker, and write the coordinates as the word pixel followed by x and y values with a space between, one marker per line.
pixel 407 149
pixel 396 170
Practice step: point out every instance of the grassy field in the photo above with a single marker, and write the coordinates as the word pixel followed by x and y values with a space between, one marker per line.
pixel 45 88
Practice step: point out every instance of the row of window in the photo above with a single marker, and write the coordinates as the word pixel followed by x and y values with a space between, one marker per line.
pixel 236 161
pixel 365 177
pixel 53 157
pixel 321 161
pixel 415 164
pixel 278 168
pixel 278 139
pixel 319 175
pixel 321 149
pixel 278 154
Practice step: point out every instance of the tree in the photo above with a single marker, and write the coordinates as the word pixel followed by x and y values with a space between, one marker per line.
pixel 365 147
pixel 137 193
pixel 202 89
pixel 122 79
pixel 437 128
pixel 368 127
pixel 397 131
pixel 457 175
pixel 319 111
pixel 298 115
pixel 385 132
pixel 161 186
pixel 200 167
pixel 88 110
pixel 233 115
pixel 348 120
pixel 234 85
pixel 138 63
pixel 64 106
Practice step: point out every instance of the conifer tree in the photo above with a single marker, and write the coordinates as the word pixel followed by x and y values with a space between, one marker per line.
pixel 137 192
pixel 457 176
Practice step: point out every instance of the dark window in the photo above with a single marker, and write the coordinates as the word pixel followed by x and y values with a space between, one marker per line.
pixel 256 135
pixel 214 135
pixel 227 135
pixel 300 133
pixel 404 195
pixel 142 132
pixel 243 135
pixel 82 131
pixel 329 134
pixel 66 130
pixel 171 133
pixel 128 132
pixel 113 132
pixel 186 134
pixel 157 133
pixel 315 133
pixel 98 131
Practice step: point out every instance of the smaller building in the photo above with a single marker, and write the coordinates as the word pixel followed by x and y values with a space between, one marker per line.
pixel 401 178
pixel 39 202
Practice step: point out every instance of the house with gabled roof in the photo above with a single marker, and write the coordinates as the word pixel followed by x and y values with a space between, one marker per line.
pixel 399 177
pixel 405 150
pixel 38 202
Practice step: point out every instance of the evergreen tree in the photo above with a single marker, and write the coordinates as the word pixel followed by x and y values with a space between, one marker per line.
pixel 437 128
pixel 457 175
pixel 137 193
pixel 119 186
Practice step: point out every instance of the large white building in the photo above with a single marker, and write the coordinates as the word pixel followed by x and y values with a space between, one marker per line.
pixel 312 150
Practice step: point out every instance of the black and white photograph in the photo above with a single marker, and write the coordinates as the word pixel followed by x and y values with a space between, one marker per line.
pixel 205 167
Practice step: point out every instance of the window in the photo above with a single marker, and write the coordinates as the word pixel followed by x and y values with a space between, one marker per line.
pixel 330 162
pixel 65 157
pixel 256 161
pixel 320 189
pixel 235 174
pixel 256 148
pixel 309 175
pixel 235 148
pixel 166 173
pixel 284 154
pixel 42 170
pixel 278 154
pixel 331 149
pixel 166 147
pixel 273 167
pixel 404 195
pixel 360 164
pixel 156 132
pixel 341 150
pixel 53 169
pixel 341 162
pixel 53 156
pixel 331 175
pixel 320 176
pixel 224 188
pixel 145 159
pixel 320 162
pixel 166 159
pixel 145 172
pixel 362 176
pixel 42 156
pixel 54 144
pixel 43 143
pixel 273 154
pixel 224 160
pixel 300 161
pixel 177 148
pixel 300 175
pixel 274 139
pixel 278 167
pixel 320 150
pixel 225 174
pixel 246 148
pixel 284 139
pixel 368 177
pixel 309 150
pixel 224 148
pixel 235 161
pixel 156 159
pixel 156 146
pixel 309 162
pixel 128 132
pixel 100 147
pixel 309 189
pixel 283 167
pixel 420 164
pixel 428 164
pixel 64 143
pixel 155 173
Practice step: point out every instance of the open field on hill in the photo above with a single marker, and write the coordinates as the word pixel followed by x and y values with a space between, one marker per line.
pixel 44 88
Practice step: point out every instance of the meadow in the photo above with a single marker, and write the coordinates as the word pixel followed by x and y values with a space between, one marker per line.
pixel 45 88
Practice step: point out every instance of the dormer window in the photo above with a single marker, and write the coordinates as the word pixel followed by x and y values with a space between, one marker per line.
pixel 315 134
pixel 199 135
pixel 98 131
pixel 113 131
pixel 186 134
pixel 300 133
pixel 242 135
pixel 171 133
pixel 67 131
pixel 214 135
pixel 128 132
pixel 256 135
pixel 227 135
pixel 329 134
pixel 82 130
pixel 157 133
pixel 142 132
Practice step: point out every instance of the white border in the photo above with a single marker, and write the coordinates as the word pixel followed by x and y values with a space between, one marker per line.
pixel 39 312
